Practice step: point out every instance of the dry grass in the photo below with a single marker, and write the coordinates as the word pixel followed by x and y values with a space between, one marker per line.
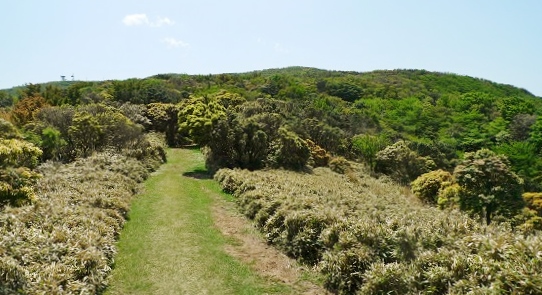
pixel 367 237
pixel 63 243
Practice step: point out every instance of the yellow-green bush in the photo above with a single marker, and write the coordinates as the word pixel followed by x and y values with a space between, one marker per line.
pixel 534 202
pixel 530 219
pixel 340 165
pixel 427 186
pixel 448 196
pixel 17 158
pixel 319 156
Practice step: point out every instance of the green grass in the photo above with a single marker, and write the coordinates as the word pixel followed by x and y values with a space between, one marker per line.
pixel 170 244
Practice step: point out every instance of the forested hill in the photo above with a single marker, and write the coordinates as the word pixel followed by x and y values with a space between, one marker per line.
pixel 403 83
pixel 380 83
pixel 440 115
pixel 458 142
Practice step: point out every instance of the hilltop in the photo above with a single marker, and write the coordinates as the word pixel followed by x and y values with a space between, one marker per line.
pixel 321 160
pixel 412 79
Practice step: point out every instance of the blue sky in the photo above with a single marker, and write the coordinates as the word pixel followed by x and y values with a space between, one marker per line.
pixel 119 39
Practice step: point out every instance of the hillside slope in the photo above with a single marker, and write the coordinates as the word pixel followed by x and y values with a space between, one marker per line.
pixel 442 114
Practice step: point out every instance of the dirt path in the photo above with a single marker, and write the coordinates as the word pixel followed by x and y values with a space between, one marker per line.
pixel 183 237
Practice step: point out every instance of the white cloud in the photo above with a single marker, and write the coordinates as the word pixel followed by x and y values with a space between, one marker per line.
pixel 139 19
pixel 174 43
pixel 135 19
pixel 162 21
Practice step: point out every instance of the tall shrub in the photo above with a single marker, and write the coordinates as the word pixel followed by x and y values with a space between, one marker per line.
pixel 489 187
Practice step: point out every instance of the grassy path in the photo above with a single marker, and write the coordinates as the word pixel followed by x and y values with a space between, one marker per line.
pixel 170 245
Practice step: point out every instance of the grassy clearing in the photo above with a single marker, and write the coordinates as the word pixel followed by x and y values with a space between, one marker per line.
pixel 170 244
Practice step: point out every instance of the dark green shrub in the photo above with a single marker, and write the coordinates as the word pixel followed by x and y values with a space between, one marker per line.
pixel 401 163
pixel 289 151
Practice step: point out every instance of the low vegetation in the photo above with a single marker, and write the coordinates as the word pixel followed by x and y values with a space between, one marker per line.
pixel 368 237
pixel 63 241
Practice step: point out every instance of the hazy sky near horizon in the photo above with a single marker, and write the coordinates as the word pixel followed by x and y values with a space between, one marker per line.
pixel 118 39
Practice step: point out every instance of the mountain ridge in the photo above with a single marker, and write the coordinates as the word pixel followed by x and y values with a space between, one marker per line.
pixel 312 72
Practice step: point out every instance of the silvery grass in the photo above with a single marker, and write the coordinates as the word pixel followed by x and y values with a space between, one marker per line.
pixel 63 243
pixel 369 236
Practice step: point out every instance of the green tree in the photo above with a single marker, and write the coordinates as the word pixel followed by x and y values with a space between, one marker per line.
pixel 85 134
pixel 346 91
pixel 488 185
pixel 228 99
pixel 75 92
pixel 118 131
pixel 236 142
pixel 525 162
pixel 366 147
pixel 51 143
pixel 443 154
pixel 5 99
pixel 520 126
pixel 58 117
pixel 513 106
pixel 54 95
pixel 230 140
pixel 252 146
pixel 136 113
pixel 30 90
pixel 320 133
pixel 274 84
pixel 476 101
pixel 535 135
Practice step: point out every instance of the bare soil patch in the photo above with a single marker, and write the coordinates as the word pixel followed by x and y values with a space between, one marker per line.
pixel 250 248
